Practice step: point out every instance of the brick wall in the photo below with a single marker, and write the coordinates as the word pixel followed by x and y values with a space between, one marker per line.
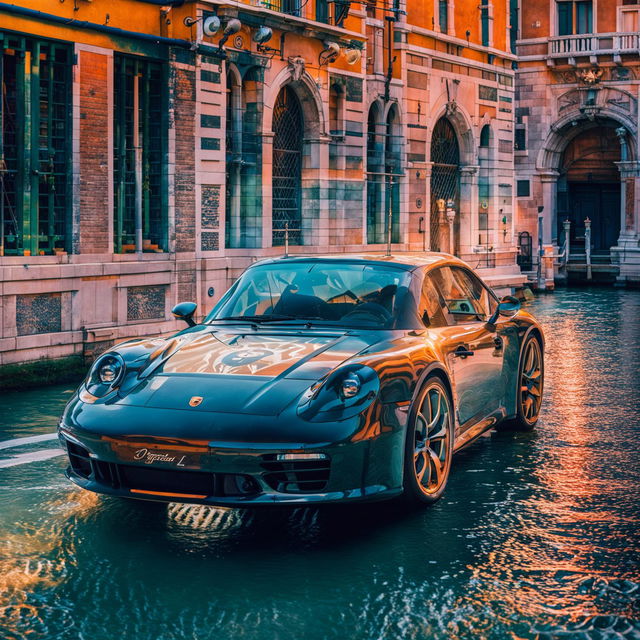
pixel 184 105
pixel 94 155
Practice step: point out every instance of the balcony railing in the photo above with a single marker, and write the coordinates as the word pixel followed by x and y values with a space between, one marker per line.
pixel 593 44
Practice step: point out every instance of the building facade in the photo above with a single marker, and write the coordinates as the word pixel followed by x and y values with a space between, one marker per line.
pixel 576 157
pixel 151 150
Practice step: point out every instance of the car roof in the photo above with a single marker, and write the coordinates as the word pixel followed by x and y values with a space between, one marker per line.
pixel 405 260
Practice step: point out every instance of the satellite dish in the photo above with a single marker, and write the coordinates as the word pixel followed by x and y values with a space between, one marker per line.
pixel 262 35
pixel 211 25
pixel 353 55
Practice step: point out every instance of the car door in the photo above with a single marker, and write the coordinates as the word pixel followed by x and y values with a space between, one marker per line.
pixel 474 352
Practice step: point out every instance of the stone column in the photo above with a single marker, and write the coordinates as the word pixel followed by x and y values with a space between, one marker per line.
pixel 549 179
pixel 267 179
pixel 629 219
pixel 468 214
pixel 378 56
pixel 426 240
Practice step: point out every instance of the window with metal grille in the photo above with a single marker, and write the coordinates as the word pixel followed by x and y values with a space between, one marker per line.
pixel 139 151
pixel 286 184
pixel 35 146
pixel 445 180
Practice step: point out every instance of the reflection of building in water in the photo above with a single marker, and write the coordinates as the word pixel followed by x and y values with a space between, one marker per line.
pixel 577 134
pixel 33 559
pixel 151 151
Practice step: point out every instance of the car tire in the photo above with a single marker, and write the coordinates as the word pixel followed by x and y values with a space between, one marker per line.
pixel 530 388
pixel 429 443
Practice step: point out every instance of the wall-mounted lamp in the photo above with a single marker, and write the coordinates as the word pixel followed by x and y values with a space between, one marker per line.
pixel 352 56
pixel 232 27
pixel 210 24
pixel 262 35
pixel 330 52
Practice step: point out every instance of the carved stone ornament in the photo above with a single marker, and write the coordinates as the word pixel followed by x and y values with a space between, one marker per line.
pixel 296 65
pixel 451 108
pixel 591 76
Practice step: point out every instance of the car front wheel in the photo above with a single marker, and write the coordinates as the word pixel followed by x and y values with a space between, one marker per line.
pixel 429 443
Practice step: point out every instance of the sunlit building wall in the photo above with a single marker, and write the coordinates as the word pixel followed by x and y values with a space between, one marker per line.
pixel 151 151
pixel 576 156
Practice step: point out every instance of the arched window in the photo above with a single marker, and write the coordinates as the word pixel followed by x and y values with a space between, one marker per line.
pixel 445 182
pixel 485 136
pixel 485 203
pixel 288 130
pixel 375 175
pixel 233 139
pixel 393 168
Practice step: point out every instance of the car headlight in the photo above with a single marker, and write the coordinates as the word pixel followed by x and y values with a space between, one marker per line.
pixel 350 386
pixel 105 374
pixel 344 393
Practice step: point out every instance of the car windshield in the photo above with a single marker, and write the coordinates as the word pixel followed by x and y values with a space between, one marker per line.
pixel 345 294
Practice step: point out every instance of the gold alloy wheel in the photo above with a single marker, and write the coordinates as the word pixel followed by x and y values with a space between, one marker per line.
pixel 432 439
pixel 531 382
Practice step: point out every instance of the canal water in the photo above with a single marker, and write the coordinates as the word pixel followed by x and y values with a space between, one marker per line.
pixel 538 535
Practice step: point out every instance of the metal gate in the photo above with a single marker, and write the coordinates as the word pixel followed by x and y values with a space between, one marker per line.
pixel 525 251
pixel 445 180
pixel 288 127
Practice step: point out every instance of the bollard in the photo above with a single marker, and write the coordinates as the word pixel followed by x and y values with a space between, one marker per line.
pixel 587 245
pixel 567 240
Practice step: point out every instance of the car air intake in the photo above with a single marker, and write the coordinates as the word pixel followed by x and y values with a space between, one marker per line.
pixel 142 478
pixel 296 476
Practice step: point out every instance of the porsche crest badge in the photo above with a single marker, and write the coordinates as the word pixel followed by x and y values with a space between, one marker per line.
pixel 195 401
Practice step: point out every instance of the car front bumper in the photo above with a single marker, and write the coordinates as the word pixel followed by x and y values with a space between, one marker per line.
pixel 223 473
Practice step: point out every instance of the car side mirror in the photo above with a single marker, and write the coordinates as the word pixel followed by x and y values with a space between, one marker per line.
pixel 508 307
pixel 184 311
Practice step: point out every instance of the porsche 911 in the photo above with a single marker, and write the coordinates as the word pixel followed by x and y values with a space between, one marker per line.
pixel 313 380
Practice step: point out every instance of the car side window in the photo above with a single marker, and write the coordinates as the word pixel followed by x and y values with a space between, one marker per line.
pixel 431 305
pixel 465 298
pixel 487 297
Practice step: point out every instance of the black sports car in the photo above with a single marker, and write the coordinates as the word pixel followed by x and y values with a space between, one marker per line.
pixel 313 380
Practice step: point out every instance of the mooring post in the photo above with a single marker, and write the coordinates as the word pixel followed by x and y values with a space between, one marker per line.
pixel 587 245
pixel 286 239
pixel 390 215
pixel 567 240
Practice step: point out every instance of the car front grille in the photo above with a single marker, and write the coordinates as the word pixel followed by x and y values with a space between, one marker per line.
pixel 169 481
pixel 299 476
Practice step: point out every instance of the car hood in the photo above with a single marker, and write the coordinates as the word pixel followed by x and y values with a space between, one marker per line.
pixel 253 372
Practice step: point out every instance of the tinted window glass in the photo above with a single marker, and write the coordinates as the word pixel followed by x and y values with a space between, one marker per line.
pixel 357 294
pixel 464 295
pixel 431 310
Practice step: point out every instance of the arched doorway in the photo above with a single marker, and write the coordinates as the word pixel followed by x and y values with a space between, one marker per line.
pixel 288 130
pixel 445 183
pixel 589 187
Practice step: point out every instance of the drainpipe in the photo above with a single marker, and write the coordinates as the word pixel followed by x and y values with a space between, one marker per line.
pixel 387 81
pixel 115 31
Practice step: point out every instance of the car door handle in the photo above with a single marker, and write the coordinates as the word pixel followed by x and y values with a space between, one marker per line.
pixel 462 352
